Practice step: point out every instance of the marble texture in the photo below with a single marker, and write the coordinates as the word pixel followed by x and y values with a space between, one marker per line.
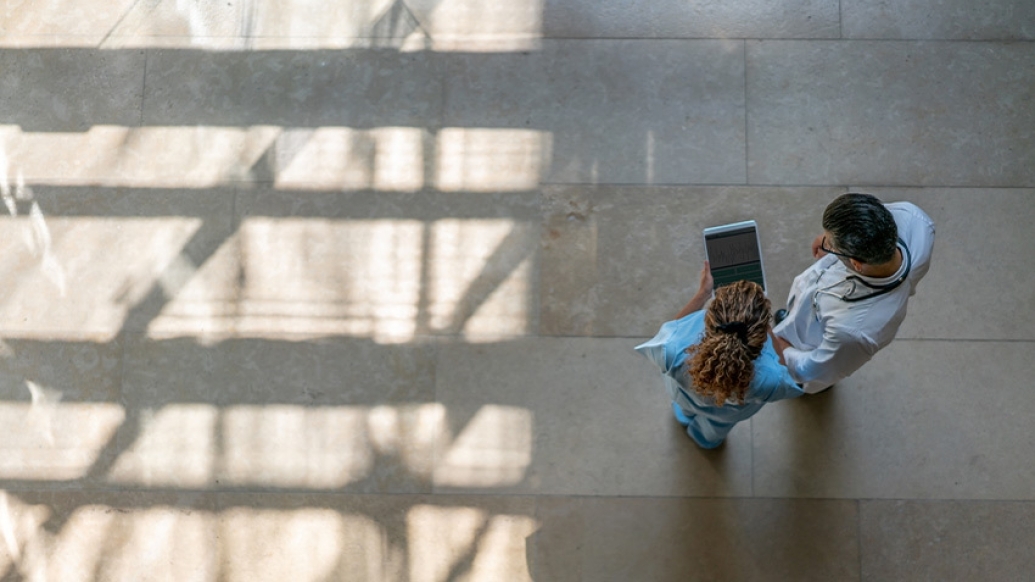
pixel 673 19
pixel 620 261
pixel 945 540
pixel 938 19
pixel 890 113
pixel 699 539
pixel 622 111
pixel 575 417
pixel 922 420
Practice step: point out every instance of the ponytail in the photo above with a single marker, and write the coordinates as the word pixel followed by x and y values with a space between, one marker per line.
pixel 722 365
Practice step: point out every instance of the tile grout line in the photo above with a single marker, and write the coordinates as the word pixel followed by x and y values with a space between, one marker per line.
pixel 751 427
pixel 858 536
pixel 840 22
pixel 747 142
pixel 118 23
pixel 839 38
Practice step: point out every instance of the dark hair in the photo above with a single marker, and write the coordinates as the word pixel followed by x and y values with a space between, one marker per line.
pixel 862 228
pixel 736 326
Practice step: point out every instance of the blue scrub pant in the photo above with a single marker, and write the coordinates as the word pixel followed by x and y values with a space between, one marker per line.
pixel 707 433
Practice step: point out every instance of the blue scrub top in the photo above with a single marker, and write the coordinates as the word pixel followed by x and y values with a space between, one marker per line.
pixel 667 350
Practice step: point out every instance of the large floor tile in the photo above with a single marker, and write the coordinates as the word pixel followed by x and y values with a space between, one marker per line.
pixel 977 287
pixel 59 404
pixel 330 415
pixel 626 111
pixel 373 537
pixel 696 539
pixel 922 420
pixel 70 90
pixel 119 535
pixel 91 262
pixel 946 540
pixel 619 261
pixel 891 113
pixel 95 536
pixel 353 88
pixel 939 19
pixel 59 22
pixel 572 416
pixel 476 25
pixel 392 266
pixel 673 19
pixel 195 22
pixel 142 157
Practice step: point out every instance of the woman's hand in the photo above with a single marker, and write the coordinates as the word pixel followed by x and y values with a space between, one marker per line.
pixel 707 282
pixel 704 293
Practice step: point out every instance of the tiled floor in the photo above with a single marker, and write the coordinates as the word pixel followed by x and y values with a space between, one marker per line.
pixel 311 291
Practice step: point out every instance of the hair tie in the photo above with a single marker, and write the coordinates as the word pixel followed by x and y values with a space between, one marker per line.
pixel 737 328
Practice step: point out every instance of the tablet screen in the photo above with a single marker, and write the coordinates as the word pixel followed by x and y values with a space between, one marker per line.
pixel 734 256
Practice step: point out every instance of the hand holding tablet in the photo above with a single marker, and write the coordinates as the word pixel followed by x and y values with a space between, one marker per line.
pixel 734 253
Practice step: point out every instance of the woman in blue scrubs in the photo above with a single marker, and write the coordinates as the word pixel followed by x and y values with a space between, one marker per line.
pixel 718 361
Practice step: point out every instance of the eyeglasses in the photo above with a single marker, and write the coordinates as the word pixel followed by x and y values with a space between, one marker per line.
pixel 823 247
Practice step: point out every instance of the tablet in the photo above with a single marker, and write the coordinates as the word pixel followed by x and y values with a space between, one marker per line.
pixel 734 253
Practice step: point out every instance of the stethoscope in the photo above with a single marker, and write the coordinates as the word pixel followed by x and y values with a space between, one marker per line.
pixel 854 281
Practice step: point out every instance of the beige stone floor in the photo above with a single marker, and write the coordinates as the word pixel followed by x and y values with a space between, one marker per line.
pixel 311 291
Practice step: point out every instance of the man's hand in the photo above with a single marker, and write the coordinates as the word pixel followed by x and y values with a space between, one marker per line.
pixel 817 252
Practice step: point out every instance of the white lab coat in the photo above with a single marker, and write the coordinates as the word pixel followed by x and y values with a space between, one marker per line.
pixel 832 338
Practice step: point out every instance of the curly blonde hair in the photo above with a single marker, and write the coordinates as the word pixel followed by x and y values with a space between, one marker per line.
pixel 736 325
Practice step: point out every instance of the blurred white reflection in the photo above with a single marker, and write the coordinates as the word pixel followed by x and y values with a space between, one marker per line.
pixel 111 264
pixel 25 540
pixel 283 24
pixel 490 160
pixel 52 440
pixel 99 542
pixel 35 234
pixel 494 449
pixel 463 543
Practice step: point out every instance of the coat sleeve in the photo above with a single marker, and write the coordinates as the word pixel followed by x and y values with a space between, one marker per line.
pixel 839 354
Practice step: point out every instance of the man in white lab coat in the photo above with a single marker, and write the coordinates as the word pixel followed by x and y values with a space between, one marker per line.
pixel 850 303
